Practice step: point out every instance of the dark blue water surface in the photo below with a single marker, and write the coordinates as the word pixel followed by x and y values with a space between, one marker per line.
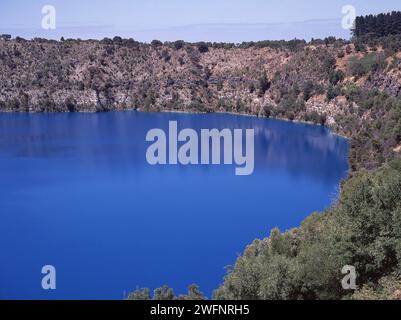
pixel 77 193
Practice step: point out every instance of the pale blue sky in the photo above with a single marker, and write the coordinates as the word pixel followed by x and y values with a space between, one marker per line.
pixel 192 20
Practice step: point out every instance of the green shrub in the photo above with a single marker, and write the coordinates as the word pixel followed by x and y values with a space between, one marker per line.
pixel 264 85
pixel 156 43
pixel 307 90
pixel 336 76
pixel 179 44
pixel 305 263
pixel 369 63
pixel 203 47
pixel 332 92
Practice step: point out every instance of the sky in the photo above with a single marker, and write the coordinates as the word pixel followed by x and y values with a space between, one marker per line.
pixel 190 20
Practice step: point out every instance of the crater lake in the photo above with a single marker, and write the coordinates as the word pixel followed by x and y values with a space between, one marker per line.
pixel 77 193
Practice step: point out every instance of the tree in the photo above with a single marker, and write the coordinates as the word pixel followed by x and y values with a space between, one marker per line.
pixel 5 36
pixel 156 43
pixel 332 92
pixel 179 44
pixel 139 294
pixel 163 293
pixel 307 90
pixel 380 25
pixel 203 47
pixel 336 76
pixel 193 293
pixel 264 85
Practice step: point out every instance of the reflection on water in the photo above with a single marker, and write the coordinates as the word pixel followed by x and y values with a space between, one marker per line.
pixel 117 139
pixel 77 192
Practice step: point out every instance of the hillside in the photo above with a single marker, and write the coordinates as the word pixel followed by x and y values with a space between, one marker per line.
pixel 340 84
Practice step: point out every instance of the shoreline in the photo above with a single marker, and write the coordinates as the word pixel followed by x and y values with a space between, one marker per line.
pixel 296 121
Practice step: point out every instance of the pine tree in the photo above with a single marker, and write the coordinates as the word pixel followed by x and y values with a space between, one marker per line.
pixel 381 25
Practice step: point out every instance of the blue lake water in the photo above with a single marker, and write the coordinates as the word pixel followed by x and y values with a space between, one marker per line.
pixel 77 193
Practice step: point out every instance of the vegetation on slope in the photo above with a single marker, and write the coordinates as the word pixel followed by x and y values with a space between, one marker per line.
pixel 363 230
pixel 166 293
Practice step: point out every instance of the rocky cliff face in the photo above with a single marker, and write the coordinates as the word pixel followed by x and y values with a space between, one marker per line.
pixel 311 82
pixel 100 76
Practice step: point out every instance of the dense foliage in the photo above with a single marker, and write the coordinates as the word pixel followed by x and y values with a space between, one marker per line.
pixel 372 137
pixel 362 230
pixel 166 293
pixel 380 25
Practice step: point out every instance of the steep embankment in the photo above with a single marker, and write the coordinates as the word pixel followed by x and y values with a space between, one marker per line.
pixel 363 231
pixel 333 82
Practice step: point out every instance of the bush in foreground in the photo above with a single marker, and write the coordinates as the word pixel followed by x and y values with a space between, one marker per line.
pixel 362 230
